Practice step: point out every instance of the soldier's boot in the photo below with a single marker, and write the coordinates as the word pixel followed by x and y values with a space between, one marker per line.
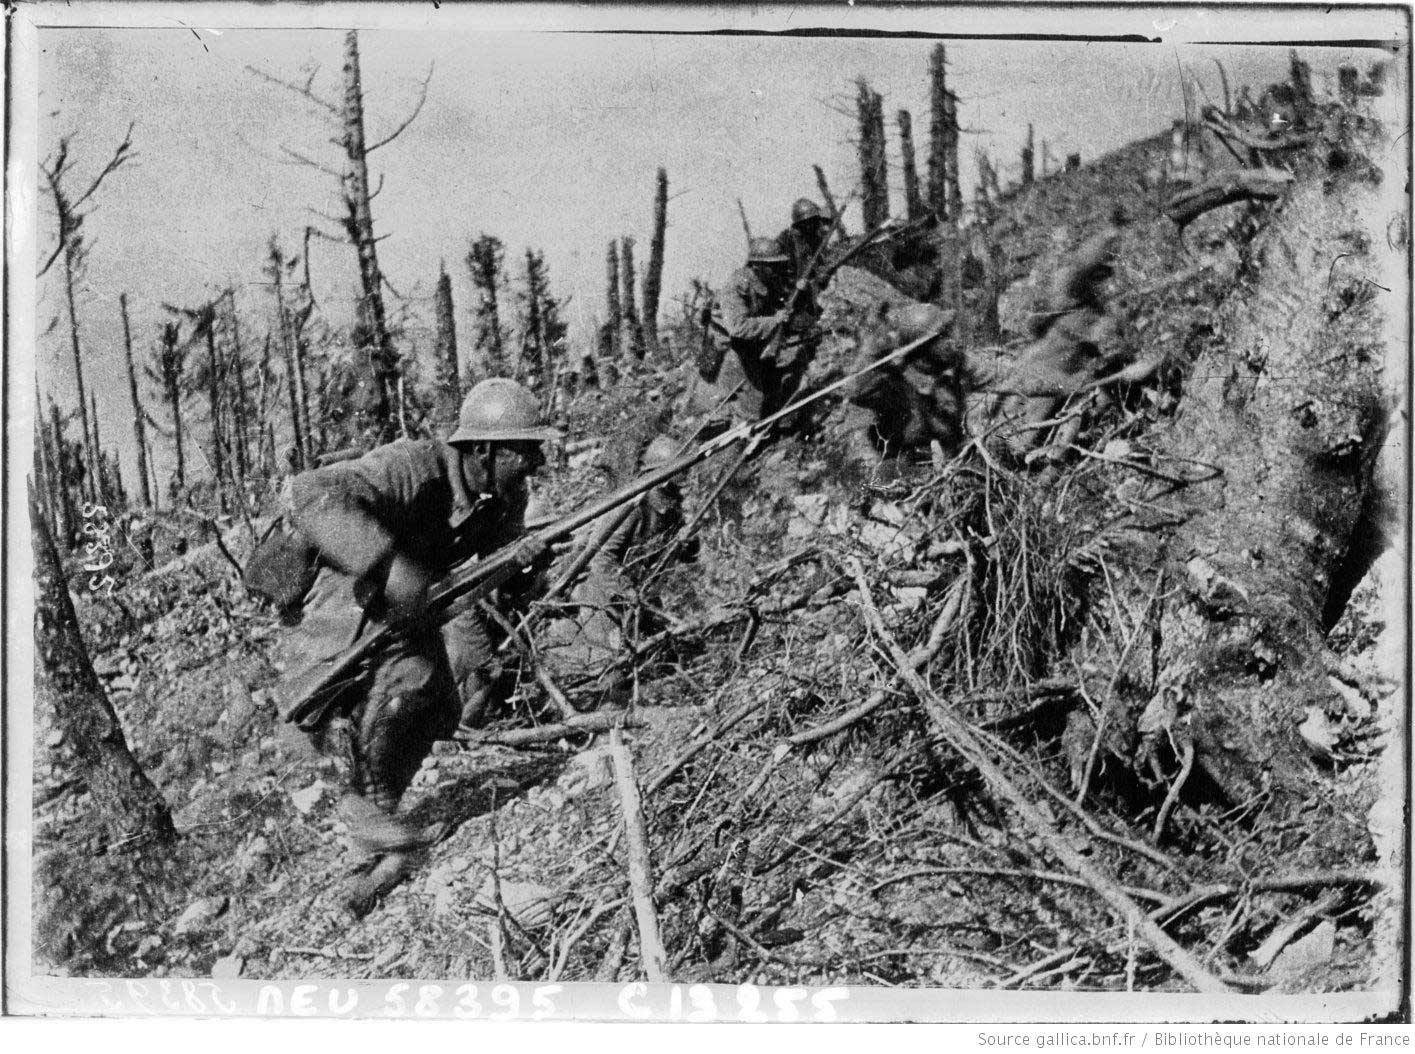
pixel 394 735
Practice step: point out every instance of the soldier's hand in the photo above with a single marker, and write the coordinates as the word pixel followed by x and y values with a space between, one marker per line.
pixel 405 589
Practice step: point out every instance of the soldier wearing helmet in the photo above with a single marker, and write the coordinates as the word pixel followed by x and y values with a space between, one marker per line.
pixel 803 239
pixel 1076 341
pixel 760 362
pixel 385 527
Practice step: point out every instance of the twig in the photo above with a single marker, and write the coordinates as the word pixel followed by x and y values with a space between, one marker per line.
pixel 303 91
pixel 651 952
pixel 1094 755
pixel 1174 788
pixel 599 912
pixel 614 954
pixel 919 658
pixel 417 109
pixel 963 739
pixel 577 725
pixel 321 953
pixel 1010 872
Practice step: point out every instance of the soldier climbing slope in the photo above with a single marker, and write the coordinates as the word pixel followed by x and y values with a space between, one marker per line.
pixel 768 339
pixel 900 410
pixel 607 606
pixel 1076 343
pixel 382 529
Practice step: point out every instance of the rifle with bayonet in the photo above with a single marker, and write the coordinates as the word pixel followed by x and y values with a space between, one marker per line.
pixel 465 586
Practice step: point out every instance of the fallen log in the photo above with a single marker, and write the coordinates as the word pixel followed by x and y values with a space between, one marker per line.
pixel 651 954
pixel 1263 184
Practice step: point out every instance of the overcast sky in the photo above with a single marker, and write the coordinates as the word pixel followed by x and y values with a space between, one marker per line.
pixel 546 140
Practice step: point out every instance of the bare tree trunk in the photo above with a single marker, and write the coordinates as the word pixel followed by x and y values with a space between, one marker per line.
pixel 240 401
pixel 100 494
pixel 939 133
pixel 67 519
pixel 1029 158
pixel 170 380
pixel 44 466
pixel 213 392
pixel 446 346
pixel 746 225
pixel 874 164
pixel 653 277
pixel 616 311
pixel 360 230
pixel 829 198
pixel 913 200
pixel 633 329
pixel 139 416
pixel 950 157
pixel 294 367
pixel 129 806
pixel 90 444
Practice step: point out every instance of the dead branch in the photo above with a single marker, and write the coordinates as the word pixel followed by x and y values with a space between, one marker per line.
pixel 964 740
pixel 918 658
pixel 651 953
pixel 521 737
pixel 417 109
pixel 121 154
pixel 311 162
pixel 305 91
pixel 1263 184
pixel 595 915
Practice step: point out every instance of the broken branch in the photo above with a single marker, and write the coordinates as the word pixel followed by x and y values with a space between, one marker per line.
pixel 962 738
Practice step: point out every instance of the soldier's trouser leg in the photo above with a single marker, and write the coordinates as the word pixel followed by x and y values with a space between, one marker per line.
pixel 471 658
pixel 411 704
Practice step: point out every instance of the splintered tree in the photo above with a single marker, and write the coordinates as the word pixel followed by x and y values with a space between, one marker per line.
pixel 446 346
pixel 139 414
pixel 874 164
pixel 940 133
pixel 207 376
pixel 169 372
pixel 950 157
pixel 542 332
pixel 126 804
pixel 68 476
pixel 653 277
pixel 68 208
pixel 913 199
pixel 613 347
pixel 628 299
pixel 381 413
pixel 1029 154
pixel 290 322
pixel 485 262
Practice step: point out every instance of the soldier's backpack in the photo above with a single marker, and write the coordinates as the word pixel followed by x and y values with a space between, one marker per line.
pixel 282 568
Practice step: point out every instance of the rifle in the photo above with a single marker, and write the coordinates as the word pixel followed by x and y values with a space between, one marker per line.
pixel 466 585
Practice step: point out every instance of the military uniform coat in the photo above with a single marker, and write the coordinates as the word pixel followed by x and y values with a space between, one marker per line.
pixel 406 498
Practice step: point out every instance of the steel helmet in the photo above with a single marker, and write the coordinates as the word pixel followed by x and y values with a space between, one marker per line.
pixel 660 452
pixel 806 210
pixel 500 410
pixel 766 250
